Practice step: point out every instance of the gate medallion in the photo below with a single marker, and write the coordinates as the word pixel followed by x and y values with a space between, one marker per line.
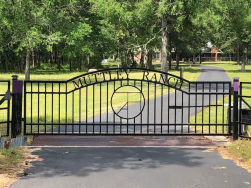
pixel 130 102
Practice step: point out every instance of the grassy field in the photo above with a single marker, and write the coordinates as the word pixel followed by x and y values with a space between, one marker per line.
pixel 67 108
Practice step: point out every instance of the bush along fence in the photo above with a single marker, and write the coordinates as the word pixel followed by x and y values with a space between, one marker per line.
pixel 185 99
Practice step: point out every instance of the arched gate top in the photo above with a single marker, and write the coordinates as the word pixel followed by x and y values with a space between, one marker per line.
pixel 137 74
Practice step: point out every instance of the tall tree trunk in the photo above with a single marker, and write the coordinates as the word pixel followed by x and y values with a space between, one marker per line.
pixel 21 62
pixel 142 57
pixel 6 63
pixel 238 54
pixel 27 65
pixel 170 55
pixel 33 58
pixel 88 60
pixel 117 54
pixel 246 54
pixel 57 61
pixel 132 58
pixel 52 55
pixel 193 58
pixel 177 59
pixel 164 44
pixel 200 57
pixel 38 59
pixel 128 58
pixel 149 59
pixel 245 59
pixel 80 63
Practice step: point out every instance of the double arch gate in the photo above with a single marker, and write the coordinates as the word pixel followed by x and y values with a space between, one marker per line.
pixel 127 102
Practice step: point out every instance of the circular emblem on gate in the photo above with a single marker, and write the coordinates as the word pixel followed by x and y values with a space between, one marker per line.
pixel 127 102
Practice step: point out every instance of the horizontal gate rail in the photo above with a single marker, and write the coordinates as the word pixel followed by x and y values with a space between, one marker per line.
pixel 127 102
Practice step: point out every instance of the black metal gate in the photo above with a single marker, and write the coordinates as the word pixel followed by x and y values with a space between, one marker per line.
pixel 244 119
pixel 126 102
pixel 5 108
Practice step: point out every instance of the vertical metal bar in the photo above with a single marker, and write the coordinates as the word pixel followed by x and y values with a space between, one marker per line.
pixel 134 83
pixel 168 110
pixel 31 108
pixel 107 90
pixel 100 106
pixel 161 113
pixel 141 119
pixel 229 109
pixel 235 109
pixel 66 105
pixel 182 111
pixel 80 105
pixel 72 116
pixel 8 112
pixel 93 109
pixel 240 107
pixel 196 104
pixel 203 98
pixel 189 105
pixel 127 113
pixel 175 110
pixel 86 109
pixel 59 106
pixel 216 110
pixel 38 121
pixel 223 105
pixel 209 113
pixel 45 113
pixel 154 107
pixel 52 110
pixel 114 83
pixel 120 117
pixel 25 110
pixel 148 107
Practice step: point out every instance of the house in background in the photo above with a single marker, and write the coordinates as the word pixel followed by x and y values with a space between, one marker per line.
pixel 208 53
pixel 211 54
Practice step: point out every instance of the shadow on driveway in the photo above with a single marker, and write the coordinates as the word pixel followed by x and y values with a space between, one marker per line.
pixel 84 161
pixel 129 167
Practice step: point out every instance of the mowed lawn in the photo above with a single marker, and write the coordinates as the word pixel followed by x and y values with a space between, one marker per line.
pixel 68 108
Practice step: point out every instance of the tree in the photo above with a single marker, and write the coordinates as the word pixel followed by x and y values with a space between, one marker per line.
pixel 234 33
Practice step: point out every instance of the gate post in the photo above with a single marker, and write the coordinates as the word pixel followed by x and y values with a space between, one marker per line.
pixel 235 108
pixel 17 89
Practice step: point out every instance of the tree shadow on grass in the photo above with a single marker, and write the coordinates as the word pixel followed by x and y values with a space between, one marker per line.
pixel 83 162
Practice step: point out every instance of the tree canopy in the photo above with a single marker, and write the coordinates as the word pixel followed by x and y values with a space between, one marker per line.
pixel 80 33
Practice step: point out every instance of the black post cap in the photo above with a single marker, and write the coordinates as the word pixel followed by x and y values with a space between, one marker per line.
pixel 14 77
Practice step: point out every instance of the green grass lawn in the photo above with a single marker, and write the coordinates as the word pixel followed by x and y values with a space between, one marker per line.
pixel 56 110
pixel 9 158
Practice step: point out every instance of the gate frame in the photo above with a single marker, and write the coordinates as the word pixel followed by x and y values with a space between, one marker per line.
pixel 129 69
pixel 6 96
